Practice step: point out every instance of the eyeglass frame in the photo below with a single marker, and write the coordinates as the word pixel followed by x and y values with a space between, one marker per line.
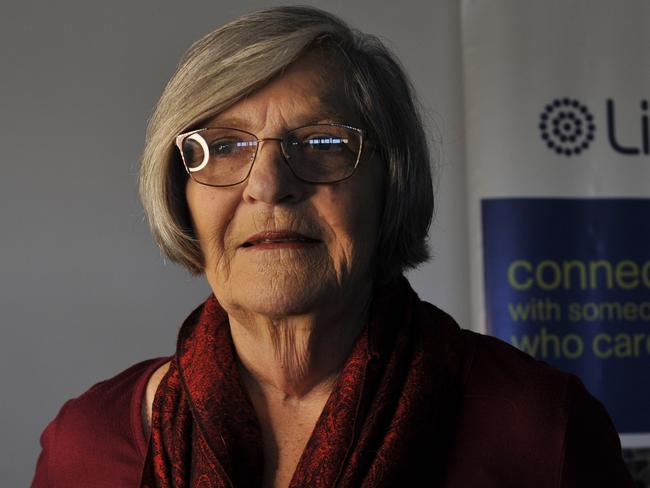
pixel 180 139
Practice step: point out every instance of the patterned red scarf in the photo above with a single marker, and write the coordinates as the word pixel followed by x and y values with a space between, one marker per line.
pixel 387 422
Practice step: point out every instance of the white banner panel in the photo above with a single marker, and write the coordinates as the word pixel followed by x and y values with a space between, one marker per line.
pixel 557 114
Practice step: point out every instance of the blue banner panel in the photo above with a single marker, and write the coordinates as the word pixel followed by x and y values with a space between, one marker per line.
pixel 568 281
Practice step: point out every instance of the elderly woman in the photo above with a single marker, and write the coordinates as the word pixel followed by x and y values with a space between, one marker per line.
pixel 287 162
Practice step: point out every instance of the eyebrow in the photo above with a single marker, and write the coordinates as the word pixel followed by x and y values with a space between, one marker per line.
pixel 326 116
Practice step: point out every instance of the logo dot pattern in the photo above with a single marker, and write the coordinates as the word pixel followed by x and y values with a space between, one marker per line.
pixel 567 126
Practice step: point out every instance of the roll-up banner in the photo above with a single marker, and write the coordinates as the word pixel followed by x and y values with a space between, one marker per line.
pixel 557 115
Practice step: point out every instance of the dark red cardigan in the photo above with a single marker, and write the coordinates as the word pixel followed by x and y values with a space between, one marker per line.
pixel 520 423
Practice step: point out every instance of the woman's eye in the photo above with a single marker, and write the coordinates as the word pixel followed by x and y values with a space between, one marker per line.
pixel 223 147
pixel 220 148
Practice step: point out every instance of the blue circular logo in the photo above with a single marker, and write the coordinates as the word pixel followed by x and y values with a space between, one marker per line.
pixel 567 126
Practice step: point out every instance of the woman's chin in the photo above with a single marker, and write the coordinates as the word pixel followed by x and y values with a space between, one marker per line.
pixel 281 298
pixel 277 293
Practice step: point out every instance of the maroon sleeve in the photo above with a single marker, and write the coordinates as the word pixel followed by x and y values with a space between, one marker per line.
pixel 89 443
pixel 48 442
pixel 40 476
pixel 41 479
pixel 96 440
pixel 592 449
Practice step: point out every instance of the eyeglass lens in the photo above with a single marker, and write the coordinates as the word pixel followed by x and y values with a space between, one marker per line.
pixel 317 154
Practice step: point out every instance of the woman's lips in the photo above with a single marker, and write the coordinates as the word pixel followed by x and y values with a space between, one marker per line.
pixel 278 239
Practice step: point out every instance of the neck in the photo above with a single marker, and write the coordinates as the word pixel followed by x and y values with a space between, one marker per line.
pixel 297 357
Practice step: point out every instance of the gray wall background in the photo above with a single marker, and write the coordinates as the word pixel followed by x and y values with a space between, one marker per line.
pixel 84 292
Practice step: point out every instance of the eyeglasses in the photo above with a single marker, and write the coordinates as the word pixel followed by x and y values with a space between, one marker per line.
pixel 321 153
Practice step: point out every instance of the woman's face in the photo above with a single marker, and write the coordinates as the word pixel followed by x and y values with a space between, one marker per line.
pixel 281 274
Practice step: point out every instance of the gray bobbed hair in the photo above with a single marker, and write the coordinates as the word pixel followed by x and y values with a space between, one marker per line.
pixel 243 55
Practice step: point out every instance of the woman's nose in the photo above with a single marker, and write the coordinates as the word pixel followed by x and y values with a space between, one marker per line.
pixel 271 180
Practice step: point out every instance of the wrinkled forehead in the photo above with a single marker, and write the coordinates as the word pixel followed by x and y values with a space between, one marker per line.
pixel 310 90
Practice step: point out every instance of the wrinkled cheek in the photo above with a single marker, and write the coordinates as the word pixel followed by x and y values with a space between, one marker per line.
pixel 362 251
pixel 345 258
pixel 221 264
pixel 217 261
